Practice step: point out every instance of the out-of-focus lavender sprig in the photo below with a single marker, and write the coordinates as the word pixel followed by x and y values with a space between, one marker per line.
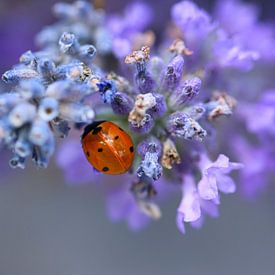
pixel 80 18
pixel 235 53
pixel 46 96
pixel 116 34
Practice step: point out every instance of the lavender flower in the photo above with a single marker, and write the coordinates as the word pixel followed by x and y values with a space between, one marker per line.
pixel 215 177
pixel 174 100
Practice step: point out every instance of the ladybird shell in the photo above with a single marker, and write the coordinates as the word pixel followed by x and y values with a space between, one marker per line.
pixel 108 148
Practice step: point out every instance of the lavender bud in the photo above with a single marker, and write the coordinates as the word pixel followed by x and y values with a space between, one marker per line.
pixel 196 112
pixel 61 127
pixel 174 73
pixel 170 154
pixel 48 109
pixel 160 108
pixel 40 132
pixel 87 52
pixel 144 126
pixel 146 144
pixel 185 92
pixel 68 43
pixel 76 112
pixel 107 89
pixel 28 59
pixel 18 162
pixel 68 91
pixel 143 103
pixel 46 68
pixel 8 101
pixel 181 125
pixel 15 75
pixel 21 114
pixel 22 147
pixel 31 89
pixel 7 135
pixel 139 57
pixel 122 104
pixel 149 166
pixel 145 82
pixel 42 154
pixel 76 71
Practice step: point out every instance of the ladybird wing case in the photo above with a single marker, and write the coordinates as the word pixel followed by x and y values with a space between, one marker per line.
pixel 123 146
pixel 108 148
pixel 97 152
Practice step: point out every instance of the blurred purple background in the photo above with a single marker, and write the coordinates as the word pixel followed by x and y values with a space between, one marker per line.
pixel 20 20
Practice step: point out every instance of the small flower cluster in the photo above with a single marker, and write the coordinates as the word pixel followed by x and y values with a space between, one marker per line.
pixel 81 19
pixel 117 34
pixel 236 51
pixel 172 100
pixel 46 95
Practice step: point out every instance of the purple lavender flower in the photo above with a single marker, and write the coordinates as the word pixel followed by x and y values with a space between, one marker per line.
pixel 194 22
pixel 265 123
pixel 241 20
pixel 173 104
pixel 203 198
pixel 193 208
pixel 215 177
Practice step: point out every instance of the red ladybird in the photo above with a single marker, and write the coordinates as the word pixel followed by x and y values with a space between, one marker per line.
pixel 108 147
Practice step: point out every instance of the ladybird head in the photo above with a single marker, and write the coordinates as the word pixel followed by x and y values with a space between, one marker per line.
pixel 90 127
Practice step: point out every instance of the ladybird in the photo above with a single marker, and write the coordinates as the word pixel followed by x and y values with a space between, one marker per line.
pixel 108 148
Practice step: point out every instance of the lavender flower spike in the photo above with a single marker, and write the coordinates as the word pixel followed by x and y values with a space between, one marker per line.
pixel 185 92
pixel 181 125
pixel 169 105
pixel 173 74
pixel 150 166
pixel 46 96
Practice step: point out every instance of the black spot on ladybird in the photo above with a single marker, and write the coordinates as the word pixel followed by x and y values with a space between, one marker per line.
pixel 99 150
pixel 116 137
pixel 131 149
pixel 121 129
pixel 97 130
pixel 105 169
pixel 88 154
pixel 91 127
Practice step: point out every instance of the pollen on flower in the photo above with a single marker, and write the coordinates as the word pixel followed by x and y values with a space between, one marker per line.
pixel 143 103
pixel 170 155
pixel 178 47
pixel 139 56
pixel 220 104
